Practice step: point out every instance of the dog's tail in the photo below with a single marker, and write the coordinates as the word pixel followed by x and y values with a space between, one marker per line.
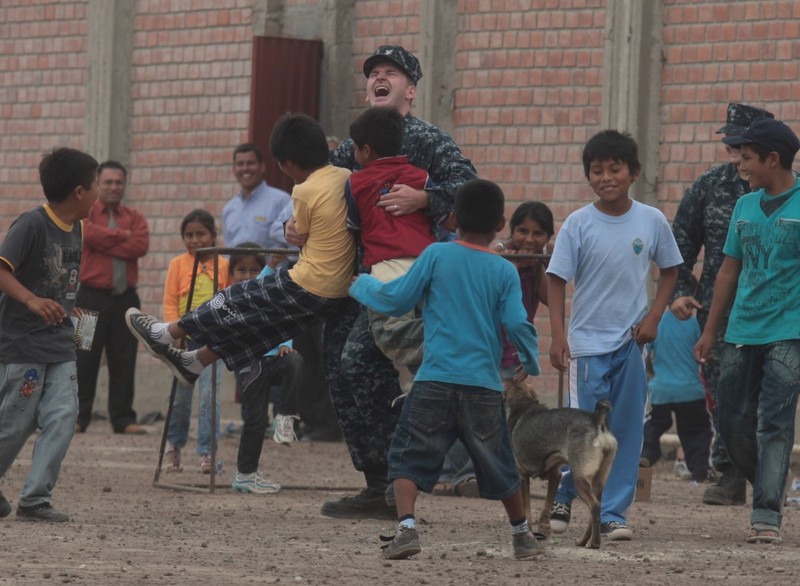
pixel 601 411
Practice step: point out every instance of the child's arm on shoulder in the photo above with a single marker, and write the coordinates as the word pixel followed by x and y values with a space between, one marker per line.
pixel 50 311
pixel 724 291
pixel 559 347
pixel 645 331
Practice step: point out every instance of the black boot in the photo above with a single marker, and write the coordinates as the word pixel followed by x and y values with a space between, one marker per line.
pixel 370 503
pixel 731 489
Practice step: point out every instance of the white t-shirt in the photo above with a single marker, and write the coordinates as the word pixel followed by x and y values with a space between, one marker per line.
pixel 609 257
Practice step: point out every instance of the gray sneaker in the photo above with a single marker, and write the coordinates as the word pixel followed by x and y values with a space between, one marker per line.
pixel 41 512
pixel 730 489
pixel 404 544
pixel 139 325
pixel 616 531
pixel 526 546
pixel 284 429
pixel 560 516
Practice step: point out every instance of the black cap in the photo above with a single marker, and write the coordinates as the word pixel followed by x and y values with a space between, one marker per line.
pixel 397 55
pixel 740 116
pixel 771 134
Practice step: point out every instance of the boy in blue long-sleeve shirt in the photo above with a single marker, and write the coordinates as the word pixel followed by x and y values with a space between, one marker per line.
pixel 469 292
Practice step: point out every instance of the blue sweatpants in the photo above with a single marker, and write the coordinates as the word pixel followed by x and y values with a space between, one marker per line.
pixel 618 377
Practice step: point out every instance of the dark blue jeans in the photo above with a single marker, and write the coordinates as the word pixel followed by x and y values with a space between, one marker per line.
pixel 757 400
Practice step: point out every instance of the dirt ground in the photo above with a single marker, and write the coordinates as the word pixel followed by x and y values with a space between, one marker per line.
pixel 124 530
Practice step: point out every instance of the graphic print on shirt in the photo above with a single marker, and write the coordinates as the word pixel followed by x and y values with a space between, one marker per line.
pixel 638 246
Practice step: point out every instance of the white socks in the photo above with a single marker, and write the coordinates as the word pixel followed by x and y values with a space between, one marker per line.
pixel 159 332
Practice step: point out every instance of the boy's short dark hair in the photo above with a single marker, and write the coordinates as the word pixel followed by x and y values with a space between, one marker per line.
pixel 113 165
pixel 236 257
pixel 381 128
pixel 300 139
pixel 479 206
pixel 612 145
pixel 63 169
pixel 248 147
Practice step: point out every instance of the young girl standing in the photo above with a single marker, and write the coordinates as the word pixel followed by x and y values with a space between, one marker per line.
pixel 531 227
pixel 197 231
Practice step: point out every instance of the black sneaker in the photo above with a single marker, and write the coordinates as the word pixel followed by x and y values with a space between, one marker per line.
pixel 560 516
pixel 370 503
pixel 731 489
pixel 41 512
pixel 403 544
pixel 526 546
pixel 616 531
pixel 5 506
pixel 139 325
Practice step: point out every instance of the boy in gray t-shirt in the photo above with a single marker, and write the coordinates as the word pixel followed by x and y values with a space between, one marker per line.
pixel 39 264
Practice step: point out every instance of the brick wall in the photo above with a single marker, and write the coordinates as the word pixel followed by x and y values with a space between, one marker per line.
pixel 191 103
pixel 42 79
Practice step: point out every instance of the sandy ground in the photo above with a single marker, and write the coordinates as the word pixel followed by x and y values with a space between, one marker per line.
pixel 124 530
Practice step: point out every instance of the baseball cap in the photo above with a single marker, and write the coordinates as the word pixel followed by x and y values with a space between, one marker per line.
pixel 397 55
pixel 740 116
pixel 768 133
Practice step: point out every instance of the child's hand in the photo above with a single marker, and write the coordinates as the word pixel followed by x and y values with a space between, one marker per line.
pixel 684 307
pixel 50 311
pixel 284 350
pixel 645 331
pixel 559 354
pixel 702 350
pixel 520 374
pixel 291 234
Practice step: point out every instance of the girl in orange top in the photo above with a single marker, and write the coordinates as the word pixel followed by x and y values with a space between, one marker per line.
pixel 198 231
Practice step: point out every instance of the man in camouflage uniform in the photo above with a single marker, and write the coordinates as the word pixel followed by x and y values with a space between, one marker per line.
pixel 365 413
pixel 702 221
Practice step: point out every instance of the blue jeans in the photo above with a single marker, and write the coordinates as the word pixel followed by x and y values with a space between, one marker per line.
pixel 757 400
pixel 434 415
pixel 619 377
pixel 178 431
pixel 32 396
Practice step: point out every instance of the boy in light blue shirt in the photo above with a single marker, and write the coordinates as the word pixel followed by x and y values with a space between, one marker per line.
pixel 760 361
pixel 607 248
pixel 469 292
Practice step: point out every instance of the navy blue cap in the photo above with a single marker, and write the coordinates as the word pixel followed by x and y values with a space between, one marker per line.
pixel 770 134
pixel 740 116
pixel 397 55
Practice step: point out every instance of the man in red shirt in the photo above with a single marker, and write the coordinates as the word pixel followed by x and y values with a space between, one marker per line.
pixel 115 237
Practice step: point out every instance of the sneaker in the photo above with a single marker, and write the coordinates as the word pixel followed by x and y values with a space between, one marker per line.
pixel 254 483
pixel 173 458
pixel 139 325
pixel 41 512
pixel 560 516
pixel 5 506
pixel 402 545
pixel 370 503
pixel 284 429
pixel 205 464
pixel 526 546
pixel 616 531
pixel 731 489
pixel 681 470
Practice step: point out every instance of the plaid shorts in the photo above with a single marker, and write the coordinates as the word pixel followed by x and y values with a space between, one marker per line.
pixel 247 319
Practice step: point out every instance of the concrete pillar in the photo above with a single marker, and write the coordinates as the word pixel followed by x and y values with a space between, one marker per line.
pixel 268 18
pixel 107 130
pixel 632 82
pixel 337 62
pixel 438 26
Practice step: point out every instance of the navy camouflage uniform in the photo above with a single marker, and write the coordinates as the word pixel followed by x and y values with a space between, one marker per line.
pixel 365 410
pixel 702 221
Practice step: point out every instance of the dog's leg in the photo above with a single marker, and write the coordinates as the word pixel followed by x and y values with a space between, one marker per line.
pixel 591 537
pixel 525 489
pixel 553 477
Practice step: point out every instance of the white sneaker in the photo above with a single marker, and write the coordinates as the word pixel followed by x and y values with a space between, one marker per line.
pixel 254 483
pixel 284 429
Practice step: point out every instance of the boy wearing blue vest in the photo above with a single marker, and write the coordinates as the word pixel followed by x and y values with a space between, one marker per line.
pixel 760 360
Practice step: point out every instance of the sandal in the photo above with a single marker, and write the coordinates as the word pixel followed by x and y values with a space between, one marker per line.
pixel 764 536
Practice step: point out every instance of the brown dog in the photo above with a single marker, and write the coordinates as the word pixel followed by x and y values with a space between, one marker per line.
pixel 545 439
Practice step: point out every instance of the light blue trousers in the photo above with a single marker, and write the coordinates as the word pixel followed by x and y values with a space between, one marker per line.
pixel 619 377
pixel 32 396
